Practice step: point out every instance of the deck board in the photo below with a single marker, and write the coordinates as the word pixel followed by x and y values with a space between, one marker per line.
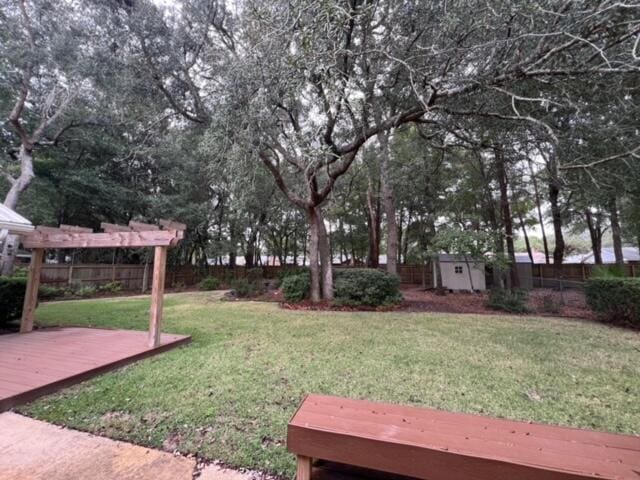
pixel 437 445
pixel 44 361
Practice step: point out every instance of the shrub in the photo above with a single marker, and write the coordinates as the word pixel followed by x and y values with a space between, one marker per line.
pixel 12 291
pixel 366 287
pixel 112 287
pixel 86 291
pixel 616 299
pixel 244 288
pixel 46 292
pixel 296 288
pixel 209 283
pixel 293 271
pixel 254 274
pixel 512 301
pixel 608 271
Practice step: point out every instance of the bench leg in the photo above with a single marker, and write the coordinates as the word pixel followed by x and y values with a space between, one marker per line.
pixel 304 468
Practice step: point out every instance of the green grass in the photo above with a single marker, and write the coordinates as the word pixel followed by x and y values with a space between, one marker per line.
pixel 229 395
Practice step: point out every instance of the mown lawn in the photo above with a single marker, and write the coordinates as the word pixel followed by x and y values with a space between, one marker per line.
pixel 229 394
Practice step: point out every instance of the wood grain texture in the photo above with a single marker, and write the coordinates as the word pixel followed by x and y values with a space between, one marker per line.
pixel 75 229
pixel 303 469
pixel 143 227
pixel 63 239
pixel 114 227
pixel 31 294
pixel 438 445
pixel 172 225
pixel 157 295
pixel 47 360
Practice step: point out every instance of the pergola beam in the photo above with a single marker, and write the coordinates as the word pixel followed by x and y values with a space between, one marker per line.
pixel 142 227
pixel 62 239
pixel 114 227
pixel 75 229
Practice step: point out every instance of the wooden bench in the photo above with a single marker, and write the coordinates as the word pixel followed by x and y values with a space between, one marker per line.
pixel 437 445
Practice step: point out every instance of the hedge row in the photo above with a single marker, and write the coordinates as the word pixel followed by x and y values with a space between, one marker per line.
pixel 615 299
pixel 11 298
pixel 353 287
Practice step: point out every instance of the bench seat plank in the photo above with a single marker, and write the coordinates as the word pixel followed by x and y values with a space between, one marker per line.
pixel 436 445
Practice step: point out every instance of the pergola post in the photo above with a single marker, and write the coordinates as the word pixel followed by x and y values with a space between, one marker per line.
pixel 31 295
pixel 157 295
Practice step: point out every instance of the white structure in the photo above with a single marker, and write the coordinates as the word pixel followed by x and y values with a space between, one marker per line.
pixel 12 222
pixel 458 274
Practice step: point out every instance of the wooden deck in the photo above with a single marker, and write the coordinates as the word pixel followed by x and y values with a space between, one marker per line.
pixel 43 361
pixel 437 445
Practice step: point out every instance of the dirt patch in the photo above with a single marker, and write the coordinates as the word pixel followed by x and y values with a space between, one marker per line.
pixel 541 302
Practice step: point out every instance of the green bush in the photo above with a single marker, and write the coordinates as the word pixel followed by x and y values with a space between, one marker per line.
pixel 254 274
pixel 512 301
pixel 112 287
pixel 86 291
pixel 46 292
pixel 296 288
pixel 608 271
pixel 245 288
pixel 293 270
pixel 209 283
pixel 616 299
pixel 12 291
pixel 366 287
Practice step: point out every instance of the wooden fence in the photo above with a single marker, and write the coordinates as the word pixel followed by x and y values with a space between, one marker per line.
pixel 137 277
pixel 571 274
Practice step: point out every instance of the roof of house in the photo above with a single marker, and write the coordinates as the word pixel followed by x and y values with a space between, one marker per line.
pixel 15 223
pixel 630 254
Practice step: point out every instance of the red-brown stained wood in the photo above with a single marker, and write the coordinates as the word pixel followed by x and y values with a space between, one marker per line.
pixel 101 240
pixel 31 294
pixel 45 361
pixel 172 225
pixel 157 295
pixel 75 229
pixel 114 227
pixel 143 227
pixel 438 445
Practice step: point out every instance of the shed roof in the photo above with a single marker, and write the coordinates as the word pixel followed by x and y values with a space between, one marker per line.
pixel 446 257
pixel 15 223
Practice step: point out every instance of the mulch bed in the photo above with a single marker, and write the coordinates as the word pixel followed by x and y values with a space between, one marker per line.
pixel 542 302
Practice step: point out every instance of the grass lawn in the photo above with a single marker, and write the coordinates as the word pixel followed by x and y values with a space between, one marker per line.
pixel 229 395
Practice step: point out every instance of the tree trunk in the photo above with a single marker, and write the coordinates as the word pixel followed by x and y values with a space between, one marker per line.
pixel 526 237
pixel 506 216
pixel 596 237
pixel 556 215
pixel 388 205
pixel 373 216
pixel 18 185
pixel 539 209
pixel 616 232
pixel 313 255
pixel 324 250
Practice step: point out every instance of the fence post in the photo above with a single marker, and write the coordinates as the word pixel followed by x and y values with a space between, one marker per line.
pixel 70 275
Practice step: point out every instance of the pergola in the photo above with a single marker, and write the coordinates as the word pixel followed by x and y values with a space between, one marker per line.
pixel 134 235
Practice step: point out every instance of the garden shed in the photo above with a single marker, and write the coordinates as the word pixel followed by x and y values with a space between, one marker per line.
pixel 459 273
